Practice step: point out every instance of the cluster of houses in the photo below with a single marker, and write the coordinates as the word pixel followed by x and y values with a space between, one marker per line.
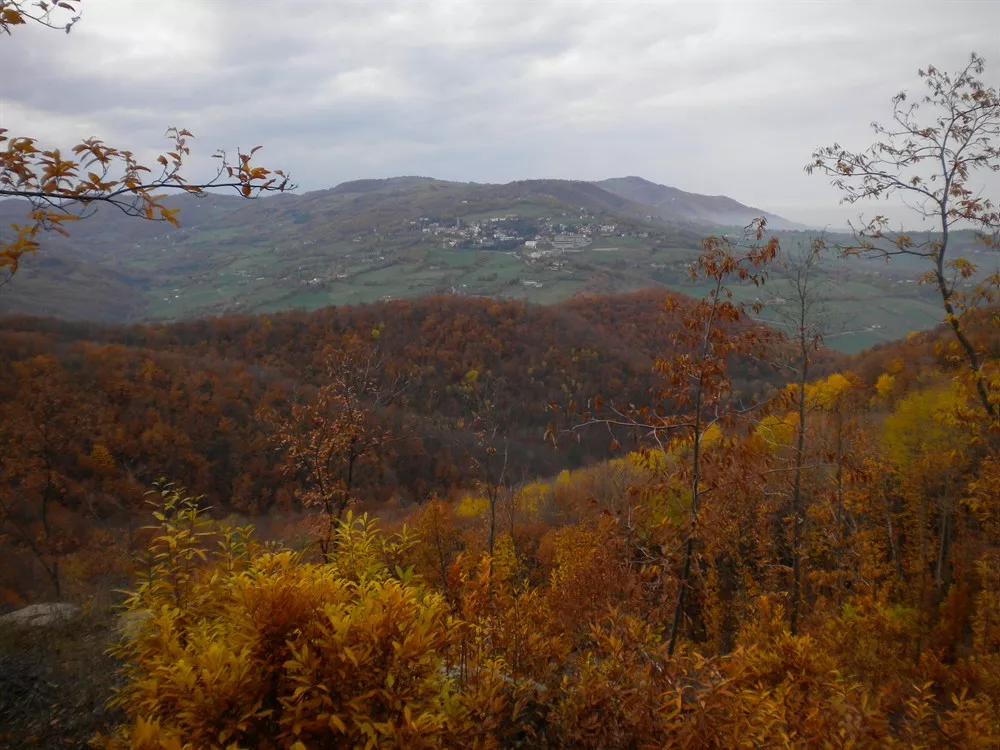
pixel 531 238
pixel 534 240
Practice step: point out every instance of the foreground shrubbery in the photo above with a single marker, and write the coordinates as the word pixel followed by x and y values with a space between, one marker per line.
pixel 258 648
pixel 253 646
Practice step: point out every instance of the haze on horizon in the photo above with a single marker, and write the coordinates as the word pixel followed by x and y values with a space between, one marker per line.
pixel 709 97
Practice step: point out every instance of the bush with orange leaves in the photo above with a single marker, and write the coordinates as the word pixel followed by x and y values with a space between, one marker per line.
pixel 250 646
pixel 253 647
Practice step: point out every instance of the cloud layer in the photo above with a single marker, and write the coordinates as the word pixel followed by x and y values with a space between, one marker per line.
pixel 718 98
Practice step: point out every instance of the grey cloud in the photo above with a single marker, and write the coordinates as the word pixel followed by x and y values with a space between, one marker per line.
pixel 711 97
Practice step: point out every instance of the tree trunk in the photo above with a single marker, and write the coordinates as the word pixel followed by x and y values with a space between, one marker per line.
pixel 689 547
pixel 971 355
pixel 942 575
pixel 493 522
pixel 793 610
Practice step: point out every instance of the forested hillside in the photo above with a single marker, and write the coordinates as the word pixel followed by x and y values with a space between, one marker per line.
pixel 109 410
pixel 407 237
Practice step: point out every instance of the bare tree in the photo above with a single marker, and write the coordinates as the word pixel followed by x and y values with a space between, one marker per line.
pixel 931 163
pixel 800 315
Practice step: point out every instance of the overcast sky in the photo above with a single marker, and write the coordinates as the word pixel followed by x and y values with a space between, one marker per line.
pixel 717 98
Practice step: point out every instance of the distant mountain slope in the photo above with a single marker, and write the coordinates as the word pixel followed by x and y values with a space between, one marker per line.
pixel 409 237
pixel 381 205
pixel 357 242
pixel 672 204
pixel 66 284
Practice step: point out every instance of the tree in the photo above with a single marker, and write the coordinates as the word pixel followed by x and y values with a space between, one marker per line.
pixel 490 450
pixel 705 376
pixel 927 446
pixel 801 318
pixel 326 438
pixel 931 164
pixel 35 430
pixel 44 12
pixel 694 399
pixel 61 190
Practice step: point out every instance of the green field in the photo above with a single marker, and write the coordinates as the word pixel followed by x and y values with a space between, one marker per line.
pixel 857 311
pixel 858 308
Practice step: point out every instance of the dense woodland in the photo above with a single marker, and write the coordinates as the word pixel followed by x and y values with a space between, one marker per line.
pixel 94 415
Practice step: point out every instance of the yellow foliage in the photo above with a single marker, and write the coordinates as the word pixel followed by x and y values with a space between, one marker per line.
pixel 275 652
pixel 504 560
pixel 470 381
pixel 776 431
pixel 653 460
pixel 710 436
pixel 621 464
pixel 531 497
pixel 884 386
pixel 101 459
pixel 472 506
pixel 925 422
pixel 829 393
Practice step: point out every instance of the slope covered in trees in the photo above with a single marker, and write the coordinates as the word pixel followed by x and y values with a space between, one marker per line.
pixel 94 414
pixel 551 628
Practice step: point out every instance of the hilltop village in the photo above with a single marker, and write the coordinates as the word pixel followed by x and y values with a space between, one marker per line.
pixel 531 238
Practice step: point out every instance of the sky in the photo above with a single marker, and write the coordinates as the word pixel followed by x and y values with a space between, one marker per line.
pixel 711 97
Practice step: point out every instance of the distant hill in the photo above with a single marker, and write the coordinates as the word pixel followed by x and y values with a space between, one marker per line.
pixel 672 204
pixel 408 237
pixel 360 241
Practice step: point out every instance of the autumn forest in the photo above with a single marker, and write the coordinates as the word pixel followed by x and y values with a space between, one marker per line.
pixel 634 520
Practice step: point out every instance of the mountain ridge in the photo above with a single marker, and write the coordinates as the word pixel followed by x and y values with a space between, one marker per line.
pixel 713 209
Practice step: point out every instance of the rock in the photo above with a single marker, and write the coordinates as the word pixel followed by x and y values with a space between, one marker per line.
pixel 42 615
pixel 131 624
